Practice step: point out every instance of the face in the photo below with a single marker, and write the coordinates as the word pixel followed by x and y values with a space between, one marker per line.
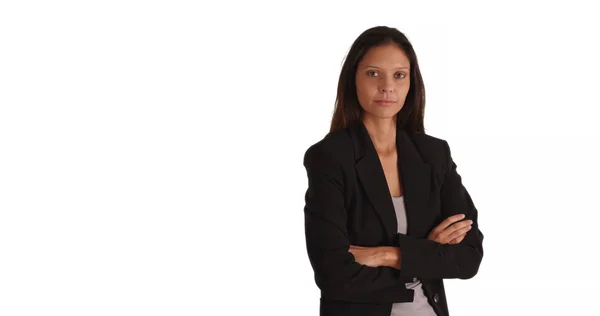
pixel 382 81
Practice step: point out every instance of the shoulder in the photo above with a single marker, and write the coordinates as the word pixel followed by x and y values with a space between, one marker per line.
pixel 432 149
pixel 429 144
pixel 335 147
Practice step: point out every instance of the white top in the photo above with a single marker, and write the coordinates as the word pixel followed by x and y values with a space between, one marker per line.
pixel 419 306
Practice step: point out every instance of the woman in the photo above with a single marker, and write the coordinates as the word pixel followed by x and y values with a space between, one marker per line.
pixel 387 216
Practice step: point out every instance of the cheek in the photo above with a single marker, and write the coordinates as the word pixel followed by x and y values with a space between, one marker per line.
pixel 405 87
pixel 365 89
pixel 361 90
pixel 402 91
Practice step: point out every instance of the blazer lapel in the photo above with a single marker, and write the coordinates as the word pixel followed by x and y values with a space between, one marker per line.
pixel 414 176
pixel 372 178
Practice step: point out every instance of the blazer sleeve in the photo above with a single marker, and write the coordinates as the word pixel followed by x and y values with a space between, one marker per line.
pixel 423 258
pixel 337 273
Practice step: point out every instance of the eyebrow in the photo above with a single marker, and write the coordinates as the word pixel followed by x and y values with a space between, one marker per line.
pixel 369 66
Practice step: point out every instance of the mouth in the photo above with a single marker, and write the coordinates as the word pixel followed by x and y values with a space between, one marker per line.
pixel 385 101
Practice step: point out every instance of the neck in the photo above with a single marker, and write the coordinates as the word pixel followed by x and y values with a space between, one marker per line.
pixel 383 133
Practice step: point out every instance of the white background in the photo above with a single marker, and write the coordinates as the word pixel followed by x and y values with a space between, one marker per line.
pixel 151 152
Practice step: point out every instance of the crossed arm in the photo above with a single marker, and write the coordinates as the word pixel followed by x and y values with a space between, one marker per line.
pixel 341 276
pixel 450 231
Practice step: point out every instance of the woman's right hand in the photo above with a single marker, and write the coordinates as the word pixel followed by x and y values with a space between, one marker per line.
pixel 451 231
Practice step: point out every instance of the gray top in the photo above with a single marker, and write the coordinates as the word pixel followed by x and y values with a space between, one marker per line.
pixel 419 306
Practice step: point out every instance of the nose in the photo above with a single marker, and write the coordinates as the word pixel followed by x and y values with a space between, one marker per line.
pixel 386 85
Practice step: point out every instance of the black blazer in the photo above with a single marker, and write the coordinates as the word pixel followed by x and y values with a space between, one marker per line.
pixel 348 202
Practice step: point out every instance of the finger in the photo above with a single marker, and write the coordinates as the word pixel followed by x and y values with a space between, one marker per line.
pixel 445 224
pixel 457 226
pixel 457 240
pixel 450 220
pixel 460 232
pixel 455 230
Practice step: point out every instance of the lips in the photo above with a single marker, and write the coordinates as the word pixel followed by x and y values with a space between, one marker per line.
pixel 385 101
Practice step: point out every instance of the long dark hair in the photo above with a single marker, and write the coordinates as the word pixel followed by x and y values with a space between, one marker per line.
pixel 347 109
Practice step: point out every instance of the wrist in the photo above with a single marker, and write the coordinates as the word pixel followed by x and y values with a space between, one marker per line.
pixel 391 257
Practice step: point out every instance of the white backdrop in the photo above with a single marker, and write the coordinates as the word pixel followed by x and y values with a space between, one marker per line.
pixel 150 151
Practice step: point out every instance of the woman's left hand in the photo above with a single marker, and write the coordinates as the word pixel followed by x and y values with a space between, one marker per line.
pixel 372 256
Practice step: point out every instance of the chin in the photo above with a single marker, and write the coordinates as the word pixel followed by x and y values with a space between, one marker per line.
pixel 384 113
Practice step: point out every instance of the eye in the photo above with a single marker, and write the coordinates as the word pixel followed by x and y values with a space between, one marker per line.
pixel 372 73
pixel 400 75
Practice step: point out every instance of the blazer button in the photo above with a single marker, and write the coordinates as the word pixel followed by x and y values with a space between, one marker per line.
pixel 436 298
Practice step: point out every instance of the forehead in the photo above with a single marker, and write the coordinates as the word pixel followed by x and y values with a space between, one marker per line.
pixel 387 56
